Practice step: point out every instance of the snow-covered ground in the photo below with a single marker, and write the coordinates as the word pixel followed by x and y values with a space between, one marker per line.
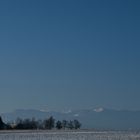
pixel 68 135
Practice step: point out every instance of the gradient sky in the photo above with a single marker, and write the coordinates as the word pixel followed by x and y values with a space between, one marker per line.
pixel 69 54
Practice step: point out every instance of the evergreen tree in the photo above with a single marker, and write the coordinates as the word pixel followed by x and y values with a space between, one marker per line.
pixel 49 123
pixel 59 125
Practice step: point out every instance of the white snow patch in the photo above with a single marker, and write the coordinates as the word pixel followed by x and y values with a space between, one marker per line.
pixel 98 109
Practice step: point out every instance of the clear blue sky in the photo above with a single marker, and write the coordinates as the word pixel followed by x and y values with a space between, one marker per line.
pixel 61 54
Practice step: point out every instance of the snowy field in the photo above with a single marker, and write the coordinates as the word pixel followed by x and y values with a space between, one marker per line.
pixel 68 135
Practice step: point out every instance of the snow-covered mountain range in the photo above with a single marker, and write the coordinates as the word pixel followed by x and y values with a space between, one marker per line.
pixel 98 118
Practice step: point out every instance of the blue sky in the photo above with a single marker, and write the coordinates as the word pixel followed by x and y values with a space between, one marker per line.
pixel 69 54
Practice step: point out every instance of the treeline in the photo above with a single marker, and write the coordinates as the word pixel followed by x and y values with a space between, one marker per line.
pixel 48 124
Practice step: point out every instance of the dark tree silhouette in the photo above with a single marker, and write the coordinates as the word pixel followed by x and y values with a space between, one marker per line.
pixel 77 124
pixel 64 124
pixel 59 125
pixel 70 125
pixel 46 124
pixel 26 124
pixel 2 125
pixel 33 124
pixel 49 123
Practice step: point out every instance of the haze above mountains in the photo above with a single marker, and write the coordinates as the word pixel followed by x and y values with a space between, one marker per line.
pixel 95 118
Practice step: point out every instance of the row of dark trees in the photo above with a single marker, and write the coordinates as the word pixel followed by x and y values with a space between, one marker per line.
pixel 4 126
pixel 50 123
